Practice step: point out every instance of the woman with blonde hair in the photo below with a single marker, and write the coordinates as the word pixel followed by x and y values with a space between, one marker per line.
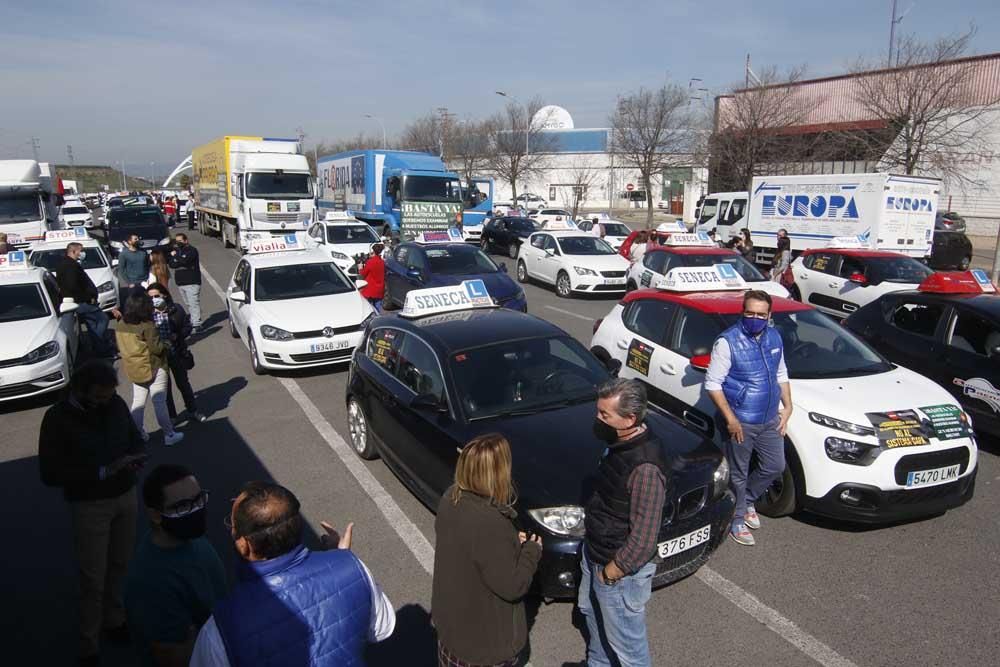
pixel 483 566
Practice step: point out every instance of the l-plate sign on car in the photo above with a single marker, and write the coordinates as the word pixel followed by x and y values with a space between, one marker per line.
pixel 453 235
pixel 469 294
pixel 75 234
pixel 268 243
pixel 718 277
pixel 14 260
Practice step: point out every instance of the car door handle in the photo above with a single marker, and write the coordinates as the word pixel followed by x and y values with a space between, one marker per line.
pixel 668 369
pixel 623 345
pixel 834 285
pixel 697 421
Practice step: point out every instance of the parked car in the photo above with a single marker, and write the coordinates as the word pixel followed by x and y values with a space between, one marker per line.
pixel 949 221
pixel 951 250
pixel 506 234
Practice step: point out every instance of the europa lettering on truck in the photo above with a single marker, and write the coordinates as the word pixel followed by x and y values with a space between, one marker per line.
pixel 918 204
pixel 803 206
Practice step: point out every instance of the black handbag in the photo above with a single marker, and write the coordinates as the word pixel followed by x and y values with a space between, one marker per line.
pixel 184 358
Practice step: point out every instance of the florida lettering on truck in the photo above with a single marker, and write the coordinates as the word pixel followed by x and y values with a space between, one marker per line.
pixel 95 262
pixel 292 306
pixel 866 437
pixel 416 394
pixel 38 332
pixel 575 262
pixel 948 329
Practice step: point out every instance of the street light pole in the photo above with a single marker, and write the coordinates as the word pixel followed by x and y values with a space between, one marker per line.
pixel 380 124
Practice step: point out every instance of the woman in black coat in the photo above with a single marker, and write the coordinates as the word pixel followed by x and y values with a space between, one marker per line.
pixel 179 357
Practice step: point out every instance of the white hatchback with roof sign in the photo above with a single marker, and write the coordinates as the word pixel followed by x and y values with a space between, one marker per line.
pixel 93 259
pixel 575 262
pixel 344 237
pixel 868 441
pixel 293 307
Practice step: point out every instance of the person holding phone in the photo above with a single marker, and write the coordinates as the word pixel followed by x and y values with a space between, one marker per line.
pixel 90 447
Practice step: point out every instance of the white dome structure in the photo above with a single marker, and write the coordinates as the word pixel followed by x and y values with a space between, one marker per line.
pixel 552 117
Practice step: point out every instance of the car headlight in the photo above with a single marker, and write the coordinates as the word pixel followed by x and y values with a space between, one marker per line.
pixel 563 520
pixel 338 255
pixel 584 271
pixel 106 287
pixel 274 333
pixel 42 353
pixel 117 244
pixel 165 241
pixel 720 478
pixel 519 295
pixel 850 451
pixel 365 322
pixel 840 425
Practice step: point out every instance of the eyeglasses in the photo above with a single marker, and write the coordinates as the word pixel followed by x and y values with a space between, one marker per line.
pixel 187 505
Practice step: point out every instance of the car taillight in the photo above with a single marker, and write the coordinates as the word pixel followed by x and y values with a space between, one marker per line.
pixel 597 325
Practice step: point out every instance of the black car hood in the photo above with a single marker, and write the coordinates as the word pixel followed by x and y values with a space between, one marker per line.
pixel 555 453
pixel 122 232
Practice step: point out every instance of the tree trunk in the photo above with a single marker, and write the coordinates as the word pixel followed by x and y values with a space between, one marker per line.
pixel 647 184
pixel 513 191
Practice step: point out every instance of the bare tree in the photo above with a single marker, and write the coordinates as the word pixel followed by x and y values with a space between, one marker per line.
pixel 649 131
pixel 424 134
pixel 751 124
pixel 517 147
pixel 936 105
pixel 582 177
pixel 468 147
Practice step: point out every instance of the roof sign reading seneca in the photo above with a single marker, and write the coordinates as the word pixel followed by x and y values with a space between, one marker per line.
pixel 468 294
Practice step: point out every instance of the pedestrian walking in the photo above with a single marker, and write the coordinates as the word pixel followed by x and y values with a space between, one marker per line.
pixel 292 606
pixel 170 210
pixel 175 577
pixel 782 257
pixel 638 248
pixel 159 269
pixel 748 382
pixel 189 211
pixel 373 271
pixel 483 566
pixel 89 446
pixel 187 274
pixel 174 327
pixel 744 245
pixel 144 357
pixel 623 518
pixel 74 283
pixel 133 268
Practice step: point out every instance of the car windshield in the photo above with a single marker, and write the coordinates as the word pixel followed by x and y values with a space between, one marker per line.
pixel 526 376
pixel 136 216
pixel 522 224
pixel 749 272
pixel 263 185
pixel 298 281
pixel 22 208
pixel 75 210
pixel 708 210
pixel 138 200
pixel 22 302
pixel 615 229
pixel 49 259
pixel 817 347
pixel 585 245
pixel 360 233
pixel 432 188
pixel 896 270
pixel 459 260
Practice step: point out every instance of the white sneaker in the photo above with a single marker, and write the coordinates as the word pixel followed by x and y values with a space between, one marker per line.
pixel 751 518
pixel 173 439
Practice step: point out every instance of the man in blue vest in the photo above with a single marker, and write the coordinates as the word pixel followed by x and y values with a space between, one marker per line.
pixel 748 382
pixel 292 606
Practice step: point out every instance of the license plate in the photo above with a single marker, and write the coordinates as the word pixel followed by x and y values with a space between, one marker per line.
pixel 614 281
pixel 932 477
pixel 684 542
pixel 332 345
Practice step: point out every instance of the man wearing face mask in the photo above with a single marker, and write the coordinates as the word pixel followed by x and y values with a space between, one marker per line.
pixel 176 577
pixel 90 447
pixel 133 267
pixel 623 518
pixel 74 283
pixel 748 382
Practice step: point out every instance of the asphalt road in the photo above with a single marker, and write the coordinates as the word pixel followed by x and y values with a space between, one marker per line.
pixel 921 593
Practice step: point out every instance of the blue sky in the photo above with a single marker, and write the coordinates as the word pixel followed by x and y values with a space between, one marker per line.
pixel 144 81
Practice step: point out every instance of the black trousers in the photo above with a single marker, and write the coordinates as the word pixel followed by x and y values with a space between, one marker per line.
pixel 190 215
pixel 179 375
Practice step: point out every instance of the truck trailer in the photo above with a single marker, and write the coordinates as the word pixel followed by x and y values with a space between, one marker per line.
pixel 884 211
pixel 30 198
pixel 245 185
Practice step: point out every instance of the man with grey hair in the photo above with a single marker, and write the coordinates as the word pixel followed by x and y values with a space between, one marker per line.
pixel 622 524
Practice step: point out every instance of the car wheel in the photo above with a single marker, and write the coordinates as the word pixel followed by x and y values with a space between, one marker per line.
pixel 512 249
pixel 255 364
pixel 232 324
pixel 484 243
pixel 522 272
pixel 796 294
pixel 563 286
pixel 630 286
pixel 783 497
pixel 963 265
pixel 360 434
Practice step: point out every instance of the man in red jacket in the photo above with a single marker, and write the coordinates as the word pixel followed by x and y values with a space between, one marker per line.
pixel 373 271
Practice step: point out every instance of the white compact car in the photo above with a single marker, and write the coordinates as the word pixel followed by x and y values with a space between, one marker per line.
pixel 343 236
pixel 38 333
pixel 839 281
pixel 294 307
pixel 94 260
pixel 74 213
pixel 868 441
pixel 573 262
pixel 612 231
pixel 543 216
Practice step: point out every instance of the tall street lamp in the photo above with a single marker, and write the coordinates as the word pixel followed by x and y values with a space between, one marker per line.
pixel 380 124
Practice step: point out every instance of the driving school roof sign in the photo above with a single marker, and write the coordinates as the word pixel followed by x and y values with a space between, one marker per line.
pixel 452 235
pixel 16 259
pixel 74 234
pixel 468 294
pixel 700 239
pixel 260 243
pixel 714 278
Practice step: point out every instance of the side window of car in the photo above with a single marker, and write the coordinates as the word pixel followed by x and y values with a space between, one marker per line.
pixel 416 259
pixel 655 261
pixel 736 210
pixel 849 266
pixel 538 241
pixel 550 244
pixel 402 255
pixel 917 318
pixel 239 273
pixel 974 334
pixel 53 289
pixel 695 333
pixel 245 282
pixel 383 348
pixel 649 318
pixel 823 262
pixel 418 368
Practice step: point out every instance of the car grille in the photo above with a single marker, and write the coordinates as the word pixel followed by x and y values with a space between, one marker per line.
pixel 332 355
pixel 613 274
pixel 318 333
pixel 947 457
pixel 22 388
pixel 922 495
pixel 609 288
pixel 280 217
pixel 7 363
pixel 685 505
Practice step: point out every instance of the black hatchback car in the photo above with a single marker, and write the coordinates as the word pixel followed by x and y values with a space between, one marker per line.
pixel 507 234
pixel 420 388
pixel 146 221
pixel 948 330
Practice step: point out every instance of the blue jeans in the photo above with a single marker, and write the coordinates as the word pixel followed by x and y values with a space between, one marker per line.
pixel 97 328
pixel 751 484
pixel 616 616
pixel 376 304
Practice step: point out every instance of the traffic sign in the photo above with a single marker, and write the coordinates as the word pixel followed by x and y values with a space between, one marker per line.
pixel 630 187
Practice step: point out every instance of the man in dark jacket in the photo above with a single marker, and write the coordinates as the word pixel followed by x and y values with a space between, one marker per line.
pixel 321 607
pixel 187 274
pixel 622 523
pixel 90 447
pixel 74 283
pixel 133 268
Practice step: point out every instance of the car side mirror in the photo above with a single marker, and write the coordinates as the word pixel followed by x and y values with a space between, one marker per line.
pixel 360 283
pixel 858 278
pixel 114 262
pixel 68 306
pixel 428 402
pixel 503 267
pixel 700 362
pixel 549 252
pixel 238 295
pixel 415 274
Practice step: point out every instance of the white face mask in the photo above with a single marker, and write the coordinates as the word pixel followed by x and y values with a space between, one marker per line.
pixel 82 256
pixel 159 302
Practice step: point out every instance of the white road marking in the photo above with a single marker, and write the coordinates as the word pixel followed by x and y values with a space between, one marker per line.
pixel 423 552
pixel 777 623
pixel 571 313
pixel 408 531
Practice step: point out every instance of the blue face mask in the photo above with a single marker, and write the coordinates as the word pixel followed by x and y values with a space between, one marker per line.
pixel 753 326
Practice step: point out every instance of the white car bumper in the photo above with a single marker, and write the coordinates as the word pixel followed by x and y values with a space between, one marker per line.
pixel 599 284
pixel 317 350
pixel 33 379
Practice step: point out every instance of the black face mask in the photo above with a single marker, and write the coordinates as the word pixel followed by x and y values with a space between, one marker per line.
pixel 188 527
pixel 605 432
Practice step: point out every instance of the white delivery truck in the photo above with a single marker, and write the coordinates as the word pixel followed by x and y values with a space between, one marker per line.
pixel 246 185
pixel 29 201
pixel 884 211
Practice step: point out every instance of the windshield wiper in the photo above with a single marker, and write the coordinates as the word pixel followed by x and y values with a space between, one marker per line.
pixel 535 409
